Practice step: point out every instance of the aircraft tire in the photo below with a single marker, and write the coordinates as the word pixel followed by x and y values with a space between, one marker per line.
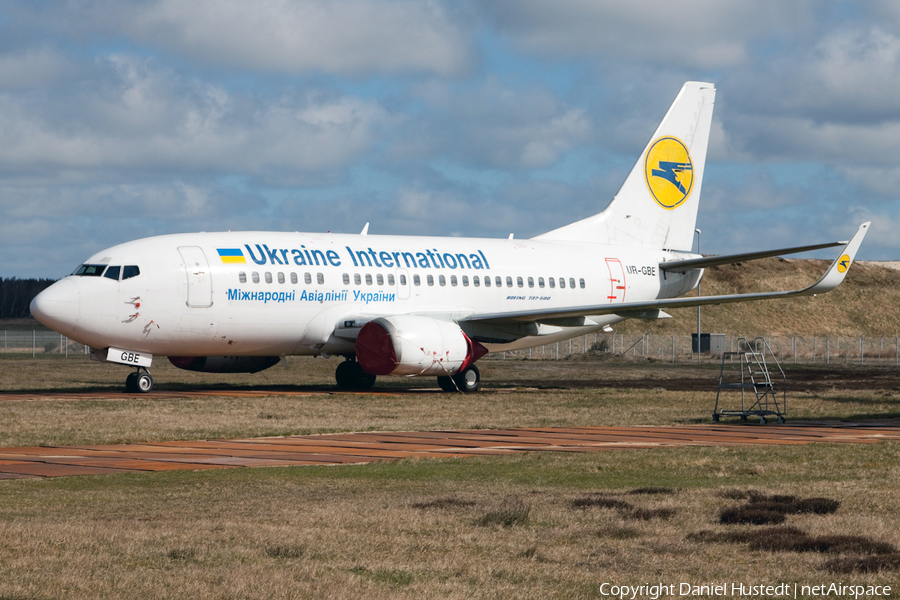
pixel 350 376
pixel 446 383
pixel 469 380
pixel 130 383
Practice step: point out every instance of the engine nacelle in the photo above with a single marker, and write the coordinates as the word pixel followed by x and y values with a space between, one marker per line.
pixel 410 345
pixel 224 364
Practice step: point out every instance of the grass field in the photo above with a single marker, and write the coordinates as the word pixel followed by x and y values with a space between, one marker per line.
pixel 539 525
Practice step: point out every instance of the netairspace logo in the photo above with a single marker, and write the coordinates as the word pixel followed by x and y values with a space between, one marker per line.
pixel 738 590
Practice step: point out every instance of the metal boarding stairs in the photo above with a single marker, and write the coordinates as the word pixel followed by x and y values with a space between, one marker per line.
pixel 759 396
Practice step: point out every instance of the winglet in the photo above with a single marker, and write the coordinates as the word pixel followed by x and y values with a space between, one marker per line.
pixel 838 269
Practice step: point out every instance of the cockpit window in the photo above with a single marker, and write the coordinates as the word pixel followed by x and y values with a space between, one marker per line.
pixel 130 271
pixel 89 270
pixel 113 272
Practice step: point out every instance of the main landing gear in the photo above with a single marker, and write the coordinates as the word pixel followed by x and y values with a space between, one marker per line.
pixel 467 381
pixel 350 376
pixel 139 381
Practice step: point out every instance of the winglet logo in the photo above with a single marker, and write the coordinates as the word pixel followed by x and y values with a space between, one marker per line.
pixel 669 172
pixel 843 264
pixel 231 255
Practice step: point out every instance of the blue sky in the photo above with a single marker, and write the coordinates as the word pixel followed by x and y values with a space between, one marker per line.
pixel 121 120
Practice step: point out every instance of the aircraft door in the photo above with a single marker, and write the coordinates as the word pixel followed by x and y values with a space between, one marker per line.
pixel 616 280
pixel 199 280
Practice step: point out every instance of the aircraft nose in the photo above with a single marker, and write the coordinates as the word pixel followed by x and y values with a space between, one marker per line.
pixel 58 306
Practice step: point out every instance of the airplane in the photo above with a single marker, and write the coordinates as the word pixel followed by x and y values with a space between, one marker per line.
pixel 409 305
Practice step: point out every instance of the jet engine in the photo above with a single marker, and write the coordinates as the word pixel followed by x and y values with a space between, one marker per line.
pixel 224 364
pixel 410 345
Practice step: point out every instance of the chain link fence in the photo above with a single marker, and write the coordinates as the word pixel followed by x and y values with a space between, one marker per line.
pixel 39 342
pixel 823 350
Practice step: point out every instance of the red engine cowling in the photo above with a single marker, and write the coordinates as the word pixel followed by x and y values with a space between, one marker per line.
pixel 224 364
pixel 410 345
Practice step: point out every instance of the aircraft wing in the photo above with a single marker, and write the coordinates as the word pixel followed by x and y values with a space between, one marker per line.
pixel 830 280
pixel 730 259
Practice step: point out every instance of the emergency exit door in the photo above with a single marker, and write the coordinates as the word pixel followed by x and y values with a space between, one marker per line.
pixel 616 280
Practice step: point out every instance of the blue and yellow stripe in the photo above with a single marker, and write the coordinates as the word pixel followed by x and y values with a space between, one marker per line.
pixel 231 255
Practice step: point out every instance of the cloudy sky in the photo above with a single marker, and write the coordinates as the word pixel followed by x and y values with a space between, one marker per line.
pixel 121 120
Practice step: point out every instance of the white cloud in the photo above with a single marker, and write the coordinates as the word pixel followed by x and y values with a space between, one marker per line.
pixel 141 118
pixel 349 37
pixel 494 127
pixel 687 33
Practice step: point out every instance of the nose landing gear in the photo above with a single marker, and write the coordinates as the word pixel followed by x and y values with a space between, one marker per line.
pixel 139 381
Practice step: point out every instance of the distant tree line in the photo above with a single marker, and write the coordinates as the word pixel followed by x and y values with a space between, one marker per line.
pixel 16 295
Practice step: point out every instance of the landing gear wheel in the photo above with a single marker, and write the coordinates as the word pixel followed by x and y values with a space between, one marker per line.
pixel 469 380
pixel 446 383
pixel 143 382
pixel 350 376
pixel 139 382
pixel 130 385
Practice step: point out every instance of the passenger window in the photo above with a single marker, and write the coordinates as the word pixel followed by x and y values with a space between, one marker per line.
pixel 562 282
pixel 368 279
pixel 581 282
pixel 453 280
pixel 357 279
pixel 320 278
pixel 242 277
pixel 390 279
pixel 487 281
pixel 403 280
pixel 519 282
pixel 113 273
pixel 476 281
pixel 294 278
pixel 268 277
pixel 572 282
pixel 379 279
pixel 531 282
pixel 465 280
pixel 307 278
pixel 442 281
pixel 552 282
pixel 416 280
pixel 430 279
pixel 498 282
pixel 540 282
pixel 255 277
pixel 130 271
pixel 280 277
pixel 508 281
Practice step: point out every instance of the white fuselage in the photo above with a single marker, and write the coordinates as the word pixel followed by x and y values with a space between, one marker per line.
pixel 264 293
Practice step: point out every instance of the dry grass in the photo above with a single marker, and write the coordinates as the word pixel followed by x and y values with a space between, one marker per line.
pixel 525 526
pixel 495 527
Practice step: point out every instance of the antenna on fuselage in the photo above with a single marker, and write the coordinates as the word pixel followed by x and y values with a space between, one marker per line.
pixel 365 230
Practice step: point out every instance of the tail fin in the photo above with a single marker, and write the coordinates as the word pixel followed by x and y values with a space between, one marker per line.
pixel 657 205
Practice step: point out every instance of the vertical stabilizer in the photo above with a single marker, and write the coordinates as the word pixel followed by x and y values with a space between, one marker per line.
pixel 657 205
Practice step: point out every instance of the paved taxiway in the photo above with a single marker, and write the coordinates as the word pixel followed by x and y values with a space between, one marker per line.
pixel 356 448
